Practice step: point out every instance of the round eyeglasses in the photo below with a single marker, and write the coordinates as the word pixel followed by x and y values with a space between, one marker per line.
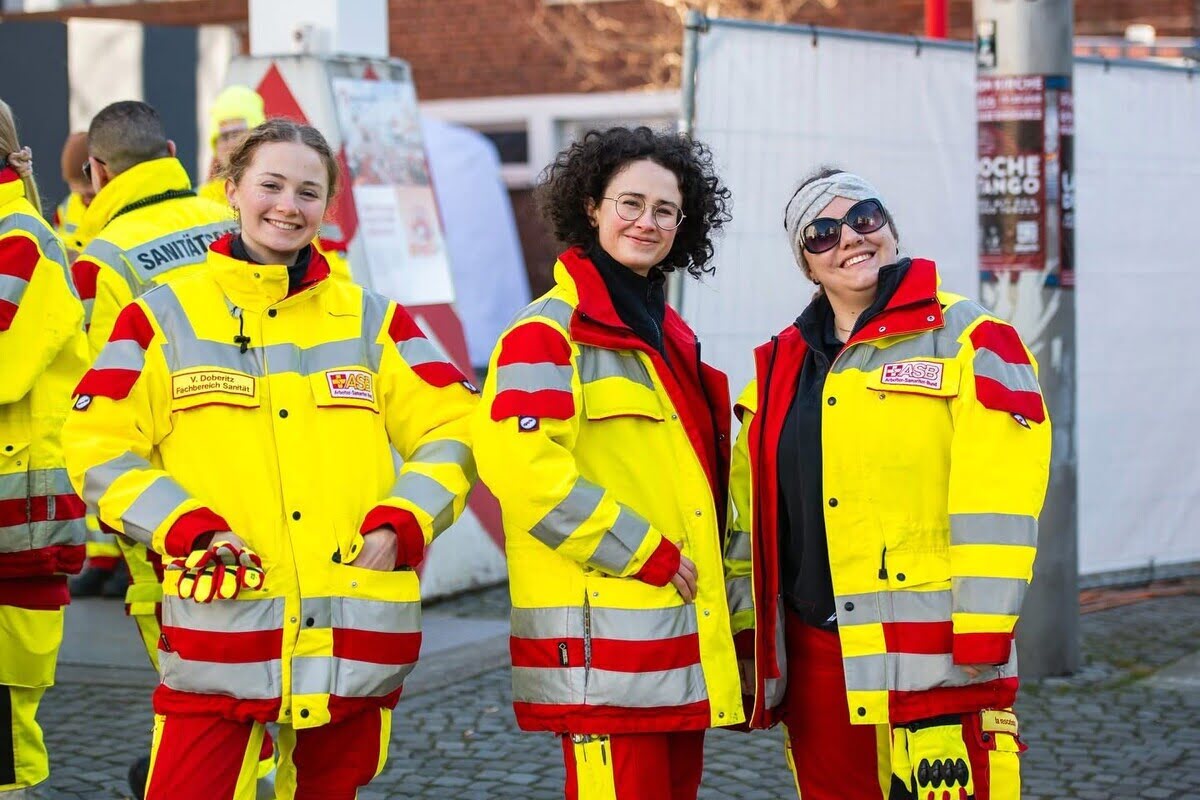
pixel 630 207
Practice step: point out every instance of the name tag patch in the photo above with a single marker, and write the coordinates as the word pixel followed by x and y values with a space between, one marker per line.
pixel 351 384
pixel 927 374
pixel 206 381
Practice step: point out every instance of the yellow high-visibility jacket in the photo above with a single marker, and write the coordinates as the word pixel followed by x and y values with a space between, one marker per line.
pixel 606 463
pixel 935 459
pixel 42 356
pixel 143 227
pixel 221 403
pixel 67 217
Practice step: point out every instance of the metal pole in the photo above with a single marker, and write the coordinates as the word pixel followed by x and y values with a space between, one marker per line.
pixel 694 24
pixel 937 18
pixel 1026 246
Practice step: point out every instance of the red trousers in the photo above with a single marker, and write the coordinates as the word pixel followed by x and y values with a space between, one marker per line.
pixel 212 758
pixel 634 766
pixel 832 759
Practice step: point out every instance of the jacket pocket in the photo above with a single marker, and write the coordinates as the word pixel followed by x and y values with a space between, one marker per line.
pixel 346 387
pixel 907 569
pixel 205 387
pixel 613 397
pixel 931 377
pixel 14 496
pixel 376 622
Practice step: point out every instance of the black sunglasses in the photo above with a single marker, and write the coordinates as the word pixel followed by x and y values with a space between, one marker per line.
pixel 87 167
pixel 824 233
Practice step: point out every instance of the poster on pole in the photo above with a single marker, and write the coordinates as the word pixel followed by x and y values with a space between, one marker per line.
pixel 393 193
pixel 1010 182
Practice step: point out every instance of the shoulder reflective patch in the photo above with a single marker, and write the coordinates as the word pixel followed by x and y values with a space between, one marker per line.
pixel 528 424
pixel 913 373
pixel 351 384
pixel 534 374
pixel 208 381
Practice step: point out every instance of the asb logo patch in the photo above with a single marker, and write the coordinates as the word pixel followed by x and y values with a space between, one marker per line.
pixel 927 374
pixel 351 384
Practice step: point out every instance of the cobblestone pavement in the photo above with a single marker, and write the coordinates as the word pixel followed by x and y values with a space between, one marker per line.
pixel 1114 730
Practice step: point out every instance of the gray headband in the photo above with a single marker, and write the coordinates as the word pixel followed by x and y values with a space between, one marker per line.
pixel 808 202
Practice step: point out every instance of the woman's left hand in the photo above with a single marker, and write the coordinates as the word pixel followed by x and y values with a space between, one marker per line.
pixel 975 670
pixel 378 551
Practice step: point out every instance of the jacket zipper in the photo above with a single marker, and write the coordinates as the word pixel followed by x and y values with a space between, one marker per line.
pixel 757 521
pixel 587 639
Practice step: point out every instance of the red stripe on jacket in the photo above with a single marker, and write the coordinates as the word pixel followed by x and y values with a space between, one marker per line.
pixel 533 343
pixel 84 273
pixel 116 384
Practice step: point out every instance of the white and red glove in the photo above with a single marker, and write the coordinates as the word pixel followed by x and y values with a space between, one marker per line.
pixel 219 572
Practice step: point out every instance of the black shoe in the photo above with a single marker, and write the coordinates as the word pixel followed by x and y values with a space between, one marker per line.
pixel 116 583
pixel 139 772
pixel 89 583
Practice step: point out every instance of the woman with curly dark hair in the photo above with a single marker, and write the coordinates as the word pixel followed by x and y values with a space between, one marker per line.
pixel 605 438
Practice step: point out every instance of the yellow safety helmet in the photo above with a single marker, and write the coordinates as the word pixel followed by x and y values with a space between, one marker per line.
pixel 235 102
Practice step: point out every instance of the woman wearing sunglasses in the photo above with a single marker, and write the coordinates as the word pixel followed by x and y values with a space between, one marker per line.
pixel 604 437
pixel 887 480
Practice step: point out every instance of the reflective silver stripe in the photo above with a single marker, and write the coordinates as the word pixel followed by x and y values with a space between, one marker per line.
pixel 99 478
pixel 959 317
pixel 909 672
pixel 318 358
pixel 317 609
pixel 989 595
pixel 596 364
pixel 36 535
pixel 121 354
pixel 380 616
pixel 555 686
pixel 1015 377
pixel 88 305
pixel 533 377
pixel 643 624
pixel 374 312
pixel 566 517
pixel 14 486
pixel 51 247
pixel 619 544
pixel 346 677
pixel 740 592
pixel 46 482
pixel 179 248
pixel 152 508
pixel 547 623
pixel 224 616
pixel 419 350
pixel 552 308
pixel 941 343
pixel 365 679
pixel 896 606
pixel 312 675
pixel 447 451
pixel 428 495
pixel 1016 529
pixel 669 687
pixel 12 289
pixel 113 257
pixel 737 546
pixel 258 680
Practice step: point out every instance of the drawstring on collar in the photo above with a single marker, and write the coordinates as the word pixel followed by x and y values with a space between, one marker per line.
pixel 241 339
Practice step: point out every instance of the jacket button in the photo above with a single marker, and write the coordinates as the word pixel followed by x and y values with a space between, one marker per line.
pixel 707 612
pixel 882 396
pixel 882 328
pixel 987 737
pixel 720 715
pixel 833 502
pixel 304 713
pixel 862 712
pixel 272 313
pixel 308 623
pixel 849 606
pixel 8 448
pixel 832 401
pixel 899 576
pixel 930 318
pixel 295 515
pixel 699 513
pixel 293 620
pixel 283 413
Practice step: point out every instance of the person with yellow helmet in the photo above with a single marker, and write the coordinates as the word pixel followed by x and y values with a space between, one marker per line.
pixel 69 213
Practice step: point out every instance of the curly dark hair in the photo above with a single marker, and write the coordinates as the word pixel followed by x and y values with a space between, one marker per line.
pixel 582 171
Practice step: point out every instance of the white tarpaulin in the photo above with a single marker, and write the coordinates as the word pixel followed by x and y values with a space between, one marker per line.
pixel 490 282
pixel 774 105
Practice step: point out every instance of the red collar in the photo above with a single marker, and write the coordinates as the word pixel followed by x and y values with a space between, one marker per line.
pixel 8 175
pixel 596 306
pixel 318 267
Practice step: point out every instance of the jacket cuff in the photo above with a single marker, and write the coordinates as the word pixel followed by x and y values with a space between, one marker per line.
pixel 661 565
pixel 182 535
pixel 982 648
pixel 410 539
